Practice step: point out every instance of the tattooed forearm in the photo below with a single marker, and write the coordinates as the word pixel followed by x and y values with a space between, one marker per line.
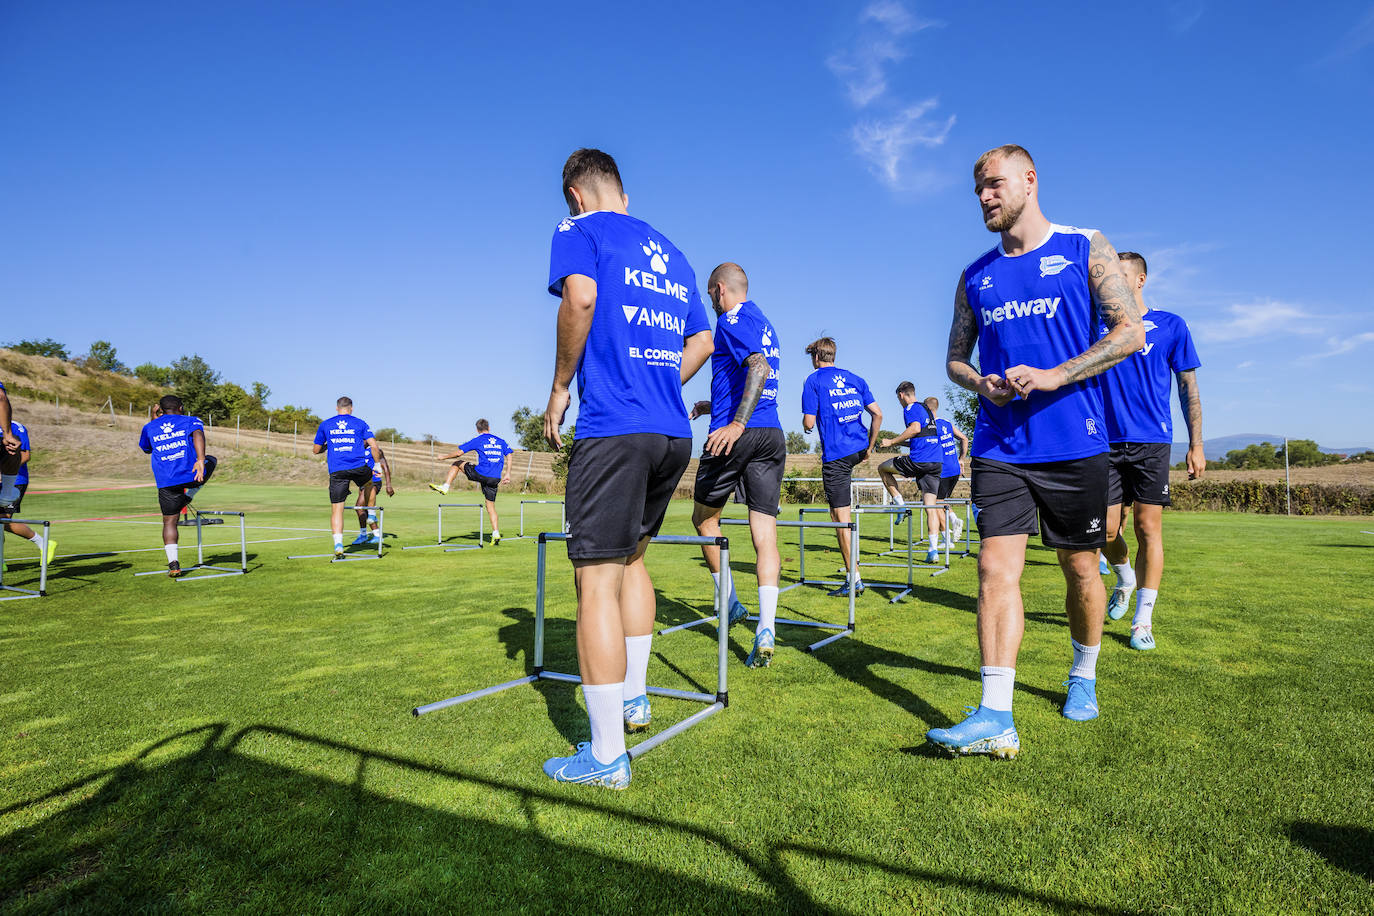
pixel 753 387
pixel 1116 306
pixel 1190 399
pixel 963 335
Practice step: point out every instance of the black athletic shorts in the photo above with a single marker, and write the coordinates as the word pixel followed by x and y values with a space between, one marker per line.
pixel 756 463
pixel 925 473
pixel 339 480
pixel 618 491
pixel 488 484
pixel 947 485
pixel 18 503
pixel 1070 498
pixel 1138 472
pixel 171 500
pixel 837 477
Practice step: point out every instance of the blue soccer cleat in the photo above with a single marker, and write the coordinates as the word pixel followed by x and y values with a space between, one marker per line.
pixel 1142 638
pixel 373 538
pixel 983 732
pixel 362 537
pixel 1118 602
pixel 1103 567
pixel 933 555
pixel 761 656
pixel 1081 703
pixel 637 714
pixel 843 590
pixel 584 769
pixel 737 610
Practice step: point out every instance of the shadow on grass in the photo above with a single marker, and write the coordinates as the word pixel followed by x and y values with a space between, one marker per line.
pixel 194 822
pixel 64 577
pixel 1346 847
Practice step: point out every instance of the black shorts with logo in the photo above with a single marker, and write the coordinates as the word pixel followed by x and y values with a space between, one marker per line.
pixel 837 477
pixel 339 481
pixel 947 485
pixel 1069 497
pixel 18 503
pixel 755 463
pixel 171 500
pixel 618 491
pixel 488 484
pixel 1138 472
pixel 925 473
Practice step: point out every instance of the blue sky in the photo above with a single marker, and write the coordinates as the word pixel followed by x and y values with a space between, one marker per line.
pixel 358 197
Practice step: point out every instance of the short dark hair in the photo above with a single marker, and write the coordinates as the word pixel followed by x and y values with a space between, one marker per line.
pixel 586 166
pixel 823 349
pixel 732 275
pixel 344 402
pixel 170 403
pixel 906 388
pixel 483 426
pixel 1005 151
pixel 1132 256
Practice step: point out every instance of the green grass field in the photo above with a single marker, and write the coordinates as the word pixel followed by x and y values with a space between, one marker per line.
pixel 247 743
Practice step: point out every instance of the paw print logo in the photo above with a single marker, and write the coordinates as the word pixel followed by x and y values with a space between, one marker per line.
pixel 838 381
pixel 343 424
pixel 768 337
pixel 167 427
pixel 658 259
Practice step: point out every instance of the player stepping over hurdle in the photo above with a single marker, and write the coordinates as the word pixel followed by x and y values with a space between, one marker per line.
pixel 10 460
pixel 923 464
pixel 181 467
pixel 367 499
pixel 348 442
pixel 491 470
pixel 18 431
pixel 745 446
pixel 953 447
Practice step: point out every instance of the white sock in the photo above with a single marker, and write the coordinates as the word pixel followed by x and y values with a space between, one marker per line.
pixel 997 687
pixel 1084 660
pixel 38 541
pixel 338 541
pixel 606 713
pixel 8 488
pixel 897 500
pixel 1144 607
pixel 768 608
pixel 171 552
pixel 1125 576
pixel 637 665
pixel 715 577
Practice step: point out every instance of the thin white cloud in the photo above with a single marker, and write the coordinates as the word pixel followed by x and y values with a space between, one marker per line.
pixel 1354 40
pixel 1245 365
pixel 1338 346
pixel 1184 15
pixel 887 143
pixel 1254 320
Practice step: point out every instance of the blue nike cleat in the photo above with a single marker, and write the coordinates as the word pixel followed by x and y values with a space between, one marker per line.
pixel 1103 567
pixel 1142 638
pixel 983 732
pixel 1081 703
pixel 933 555
pixel 362 537
pixel 1118 602
pixel 373 538
pixel 637 714
pixel 584 769
pixel 737 610
pixel 761 656
pixel 843 590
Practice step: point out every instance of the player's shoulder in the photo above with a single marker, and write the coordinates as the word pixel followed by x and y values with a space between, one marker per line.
pixel 1073 232
pixel 1161 318
pixel 981 262
pixel 18 428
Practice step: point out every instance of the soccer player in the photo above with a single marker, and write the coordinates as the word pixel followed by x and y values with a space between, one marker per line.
pixel 21 432
pixel 631 352
pixel 491 470
pixel 923 464
pixel 9 456
pixel 367 498
pixel 1140 430
pixel 347 440
pixel 181 467
pixel 1039 446
pixel 833 402
pixel 954 446
pixel 744 446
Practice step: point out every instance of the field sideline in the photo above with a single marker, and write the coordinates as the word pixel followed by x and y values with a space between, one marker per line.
pixel 247 743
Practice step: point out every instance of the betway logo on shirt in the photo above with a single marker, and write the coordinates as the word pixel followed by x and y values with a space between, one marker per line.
pixel 649 280
pixel 1014 309
pixel 653 318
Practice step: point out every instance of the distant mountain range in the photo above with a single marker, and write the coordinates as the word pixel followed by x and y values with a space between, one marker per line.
pixel 1216 449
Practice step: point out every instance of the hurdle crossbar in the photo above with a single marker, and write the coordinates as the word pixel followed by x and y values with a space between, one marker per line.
pixel 562 512
pixel 954 503
pixel 902 589
pixel 714 703
pixel 353 557
pixel 212 571
pixel 910 565
pixel 20 593
pixel 481 528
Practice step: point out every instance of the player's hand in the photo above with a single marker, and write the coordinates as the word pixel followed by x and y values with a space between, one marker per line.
pixel 390 490
pixel 724 439
pixel 1025 379
pixel 699 409
pixel 559 400
pixel 885 443
pixel 505 481
pixel 1197 463
pixel 200 471
pixel 996 389
pixel 11 442
pixel 863 456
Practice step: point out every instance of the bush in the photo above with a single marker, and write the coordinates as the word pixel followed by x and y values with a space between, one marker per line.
pixel 1269 498
pixel 801 491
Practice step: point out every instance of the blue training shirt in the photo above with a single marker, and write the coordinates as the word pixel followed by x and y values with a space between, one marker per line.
pixel 739 332
pixel 949 448
pixel 21 432
pixel 647 304
pixel 1136 390
pixel 1036 309
pixel 925 445
pixel 491 453
pixel 345 440
pixel 169 440
pixel 837 399
pixel 376 471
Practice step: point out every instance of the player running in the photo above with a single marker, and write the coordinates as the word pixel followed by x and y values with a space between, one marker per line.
pixel 366 504
pixel 954 446
pixel 923 464
pixel 348 440
pixel 1140 429
pixel 834 401
pixel 181 467
pixel 491 470
pixel 9 456
pixel 1039 446
pixel 632 328
pixel 745 445
pixel 21 432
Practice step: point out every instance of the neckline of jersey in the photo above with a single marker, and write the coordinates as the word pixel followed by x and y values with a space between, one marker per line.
pixel 1054 227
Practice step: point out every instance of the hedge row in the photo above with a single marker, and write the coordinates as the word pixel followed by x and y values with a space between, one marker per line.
pixel 1270 497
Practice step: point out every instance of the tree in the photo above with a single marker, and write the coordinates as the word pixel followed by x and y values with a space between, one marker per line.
pixel 390 434
pixel 529 430
pixel 429 439
pixel 151 372
pixel 963 408
pixel 103 356
pixel 560 461
pixel 261 393
pixel 797 444
pixel 196 383
pixel 45 347
pixel 1305 453
pixel 889 434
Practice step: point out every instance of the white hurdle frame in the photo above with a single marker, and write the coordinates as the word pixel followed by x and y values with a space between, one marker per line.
pixel 910 565
pixel 42 561
pixel 953 504
pixel 846 629
pixel 562 511
pixel 216 572
pixel 715 703
pixel 481 528
pixel 352 557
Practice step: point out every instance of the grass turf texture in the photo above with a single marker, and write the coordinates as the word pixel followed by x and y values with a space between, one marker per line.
pixel 247 742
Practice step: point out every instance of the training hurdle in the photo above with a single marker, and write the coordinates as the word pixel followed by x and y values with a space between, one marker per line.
pixel 953 505
pixel 213 517
pixel 846 629
pixel 352 557
pixel 42 561
pixel 902 588
pixel 481 528
pixel 910 565
pixel 562 515
pixel 715 703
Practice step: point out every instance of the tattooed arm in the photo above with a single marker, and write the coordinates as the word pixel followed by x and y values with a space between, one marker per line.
pixel 723 439
pixel 1190 399
pixel 1115 305
pixel 963 336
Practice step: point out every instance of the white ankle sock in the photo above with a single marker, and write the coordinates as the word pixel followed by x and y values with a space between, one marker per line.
pixel 637 665
pixel 997 687
pixel 715 577
pixel 37 541
pixel 171 552
pixel 1144 607
pixel 606 713
pixel 768 608
pixel 338 541
pixel 1125 576
pixel 1084 660
pixel 897 500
